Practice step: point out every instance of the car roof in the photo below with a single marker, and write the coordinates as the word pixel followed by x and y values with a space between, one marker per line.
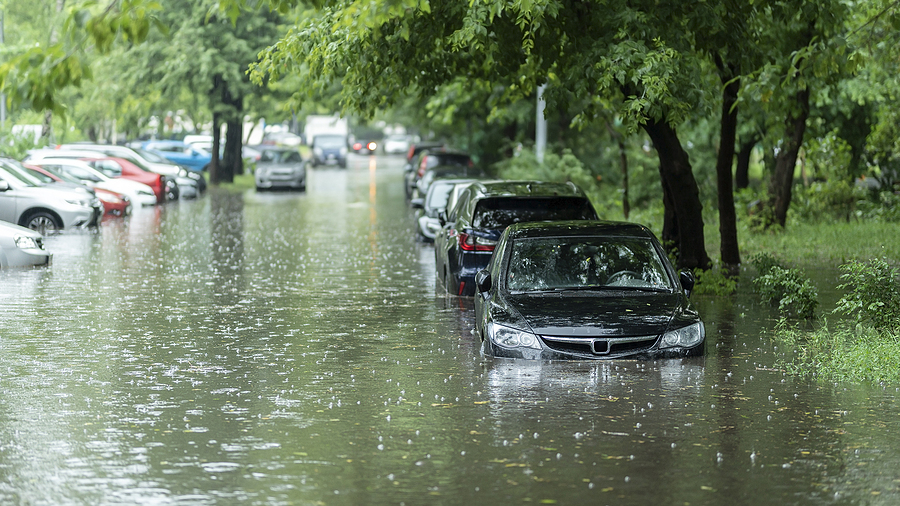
pixel 486 189
pixel 579 228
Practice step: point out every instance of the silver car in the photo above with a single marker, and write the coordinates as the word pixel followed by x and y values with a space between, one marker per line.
pixel 25 201
pixel 280 168
pixel 21 247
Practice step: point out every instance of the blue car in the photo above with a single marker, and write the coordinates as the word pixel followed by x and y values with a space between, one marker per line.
pixel 179 153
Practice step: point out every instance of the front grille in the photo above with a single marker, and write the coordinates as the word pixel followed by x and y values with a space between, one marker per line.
pixel 599 347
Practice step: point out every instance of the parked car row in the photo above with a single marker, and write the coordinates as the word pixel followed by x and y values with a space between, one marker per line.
pixel 550 280
pixel 77 185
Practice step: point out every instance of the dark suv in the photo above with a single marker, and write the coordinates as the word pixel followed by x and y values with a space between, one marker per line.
pixel 470 231
pixel 329 149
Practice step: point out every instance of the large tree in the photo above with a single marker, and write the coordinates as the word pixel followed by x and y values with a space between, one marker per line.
pixel 631 54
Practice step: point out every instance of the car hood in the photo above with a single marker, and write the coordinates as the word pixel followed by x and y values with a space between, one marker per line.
pixel 600 313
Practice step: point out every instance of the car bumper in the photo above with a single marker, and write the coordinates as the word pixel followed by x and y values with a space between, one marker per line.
pixel 24 257
pixel 276 180
pixel 546 353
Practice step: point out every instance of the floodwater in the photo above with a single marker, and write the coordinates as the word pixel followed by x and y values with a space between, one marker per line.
pixel 291 348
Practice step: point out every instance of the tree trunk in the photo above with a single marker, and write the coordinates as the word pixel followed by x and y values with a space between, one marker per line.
pixel 742 171
pixel 786 160
pixel 214 162
pixel 233 162
pixel 731 257
pixel 683 221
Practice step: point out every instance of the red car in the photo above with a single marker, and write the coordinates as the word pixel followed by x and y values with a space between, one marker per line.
pixel 114 204
pixel 119 167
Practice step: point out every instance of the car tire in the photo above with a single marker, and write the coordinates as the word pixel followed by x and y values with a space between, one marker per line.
pixel 41 221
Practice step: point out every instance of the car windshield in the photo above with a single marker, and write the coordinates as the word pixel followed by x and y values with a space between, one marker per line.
pixel 14 171
pixel 578 263
pixel 280 156
pixel 330 141
pixel 499 213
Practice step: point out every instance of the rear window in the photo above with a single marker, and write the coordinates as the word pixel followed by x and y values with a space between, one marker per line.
pixel 499 213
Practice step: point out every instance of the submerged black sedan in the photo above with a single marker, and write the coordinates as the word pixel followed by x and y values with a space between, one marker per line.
pixel 584 290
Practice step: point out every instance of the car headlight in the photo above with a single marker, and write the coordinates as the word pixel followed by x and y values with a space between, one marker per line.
pixel 512 338
pixel 79 202
pixel 685 337
pixel 318 152
pixel 23 242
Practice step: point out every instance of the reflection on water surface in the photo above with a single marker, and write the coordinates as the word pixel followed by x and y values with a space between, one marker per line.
pixel 290 348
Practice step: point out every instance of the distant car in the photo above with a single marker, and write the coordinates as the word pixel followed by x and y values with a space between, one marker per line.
pixel 25 201
pixel 435 201
pixel 21 247
pixel 190 184
pixel 445 172
pixel 471 229
pixel 114 203
pixel 279 168
pixel 138 193
pixel 365 147
pixel 430 158
pixel 584 290
pixel 397 143
pixel 180 153
pixel 329 149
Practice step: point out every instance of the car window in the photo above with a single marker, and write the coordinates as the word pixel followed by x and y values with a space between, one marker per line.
pixel 108 167
pixel 582 262
pixel 329 141
pixel 499 213
pixel 292 157
pixel 11 171
pixel 40 176
pixel 81 173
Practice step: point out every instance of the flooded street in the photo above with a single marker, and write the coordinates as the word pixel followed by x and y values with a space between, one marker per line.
pixel 291 348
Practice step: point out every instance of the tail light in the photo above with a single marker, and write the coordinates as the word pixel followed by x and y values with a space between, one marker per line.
pixel 469 242
pixel 371 146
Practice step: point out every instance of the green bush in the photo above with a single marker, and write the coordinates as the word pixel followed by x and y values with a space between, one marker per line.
pixel 794 294
pixel 764 262
pixel 842 354
pixel 713 282
pixel 873 294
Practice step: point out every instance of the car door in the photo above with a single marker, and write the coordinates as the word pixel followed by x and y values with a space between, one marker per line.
pixel 8 200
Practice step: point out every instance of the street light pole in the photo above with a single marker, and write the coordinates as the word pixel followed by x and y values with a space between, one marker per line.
pixel 540 134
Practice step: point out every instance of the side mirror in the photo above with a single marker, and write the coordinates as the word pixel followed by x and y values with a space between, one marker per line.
pixel 483 281
pixel 4 186
pixel 417 203
pixel 442 217
pixel 687 281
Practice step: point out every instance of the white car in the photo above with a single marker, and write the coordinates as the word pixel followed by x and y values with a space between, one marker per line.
pixel 21 247
pixel 398 143
pixel 139 193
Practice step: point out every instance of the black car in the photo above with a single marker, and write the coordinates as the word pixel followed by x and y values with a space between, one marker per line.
pixel 471 229
pixel 279 168
pixel 585 290
pixel 329 149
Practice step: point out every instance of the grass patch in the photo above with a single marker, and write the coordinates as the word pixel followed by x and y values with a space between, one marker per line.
pixel 241 183
pixel 860 354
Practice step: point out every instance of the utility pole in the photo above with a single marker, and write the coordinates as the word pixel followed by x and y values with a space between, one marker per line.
pixel 540 134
